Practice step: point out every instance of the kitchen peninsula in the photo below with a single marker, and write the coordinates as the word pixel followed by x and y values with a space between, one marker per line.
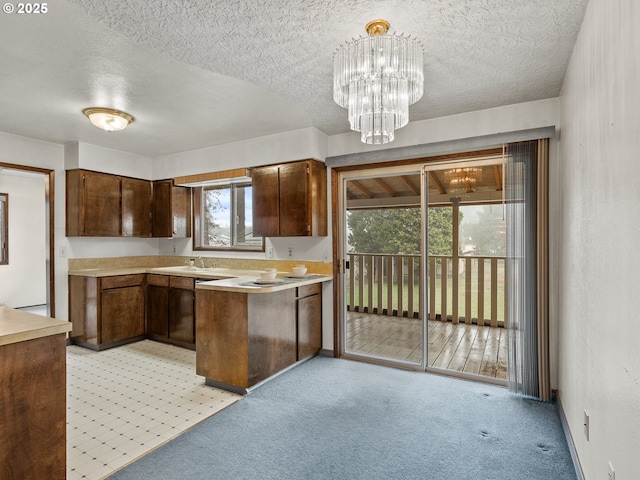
pixel 246 332
pixel 32 395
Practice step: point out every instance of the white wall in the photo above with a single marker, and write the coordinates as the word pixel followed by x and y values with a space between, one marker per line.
pixel 283 147
pixel 510 118
pixel 26 151
pixel 23 280
pixel 599 365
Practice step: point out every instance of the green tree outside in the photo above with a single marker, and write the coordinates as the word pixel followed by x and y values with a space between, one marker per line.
pixel 397 230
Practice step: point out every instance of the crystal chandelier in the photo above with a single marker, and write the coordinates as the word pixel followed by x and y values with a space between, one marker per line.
pixel 463 179
pixel 377 78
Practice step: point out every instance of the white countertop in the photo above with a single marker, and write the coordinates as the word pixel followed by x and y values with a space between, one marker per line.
pixel 223 279
pixel 248 283
pixel 18 326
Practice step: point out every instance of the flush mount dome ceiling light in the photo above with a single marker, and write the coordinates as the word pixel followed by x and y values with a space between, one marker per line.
pixel 377 78
pixel 108 119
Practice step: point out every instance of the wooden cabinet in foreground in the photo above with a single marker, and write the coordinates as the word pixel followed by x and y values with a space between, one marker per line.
pixel 107 311
pixel 290 199
pixel 33 413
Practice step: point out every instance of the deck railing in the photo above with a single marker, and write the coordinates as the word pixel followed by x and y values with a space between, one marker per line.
pixel 468 289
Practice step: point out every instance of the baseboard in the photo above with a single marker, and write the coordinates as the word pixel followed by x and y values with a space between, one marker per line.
pixel 326 353
pixel 569 438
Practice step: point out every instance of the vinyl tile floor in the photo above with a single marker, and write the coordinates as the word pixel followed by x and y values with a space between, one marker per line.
pixel 124 402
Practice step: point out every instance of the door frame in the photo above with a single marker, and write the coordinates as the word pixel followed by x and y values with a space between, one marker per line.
pixel 49 190
pixel 339 175
pixel 338 266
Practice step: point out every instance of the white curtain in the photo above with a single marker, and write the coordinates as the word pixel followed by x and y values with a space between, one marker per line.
pixel 527 316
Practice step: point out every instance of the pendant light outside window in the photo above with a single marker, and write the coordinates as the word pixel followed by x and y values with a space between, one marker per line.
pixel 377 78
pixel 108 119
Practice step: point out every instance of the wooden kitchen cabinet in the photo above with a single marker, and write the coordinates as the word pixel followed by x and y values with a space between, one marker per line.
pixel 244 338
pixel 33 413
pixel 107 311
pixel 182 310
pixel 290 199
pixel 171 309
pixel 171 210
pixel 104 205
pixel 157 326
pixel 309 320
pixel 136 207
pixel 93 204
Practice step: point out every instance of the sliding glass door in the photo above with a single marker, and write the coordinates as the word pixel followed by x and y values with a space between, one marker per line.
pixel 465 275
pixel 423 255
pixel 381 244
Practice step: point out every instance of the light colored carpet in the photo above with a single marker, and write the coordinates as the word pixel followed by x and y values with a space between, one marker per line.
pixel 338 419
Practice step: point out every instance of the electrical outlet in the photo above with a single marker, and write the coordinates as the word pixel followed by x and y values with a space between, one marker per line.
pixel 325 257
pixel 174 248
pixel 586 425
pixel 269 252
pixel 290 252
pixel 612 473
pixel 63 252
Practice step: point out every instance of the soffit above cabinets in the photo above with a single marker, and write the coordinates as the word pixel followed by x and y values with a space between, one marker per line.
pixel 225 177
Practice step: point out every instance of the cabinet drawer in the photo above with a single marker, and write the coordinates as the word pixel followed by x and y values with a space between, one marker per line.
pixel 159 280
pixel 182 282
pixel 308 290
pixel 121 281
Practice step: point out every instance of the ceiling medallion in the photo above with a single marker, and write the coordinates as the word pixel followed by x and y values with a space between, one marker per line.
pixel 377 78
pixel 108 119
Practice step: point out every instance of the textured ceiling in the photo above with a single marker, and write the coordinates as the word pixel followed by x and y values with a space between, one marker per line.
pixel 204 72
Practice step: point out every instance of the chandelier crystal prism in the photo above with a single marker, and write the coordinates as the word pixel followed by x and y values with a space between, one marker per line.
pixel 377 78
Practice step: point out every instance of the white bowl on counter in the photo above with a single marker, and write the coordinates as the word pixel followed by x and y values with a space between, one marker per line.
pixel 268 275
pixel 299 271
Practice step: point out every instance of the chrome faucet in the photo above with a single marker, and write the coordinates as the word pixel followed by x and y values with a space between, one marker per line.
pixel 201 262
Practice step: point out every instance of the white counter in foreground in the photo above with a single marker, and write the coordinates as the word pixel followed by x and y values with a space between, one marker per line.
pixel 18 326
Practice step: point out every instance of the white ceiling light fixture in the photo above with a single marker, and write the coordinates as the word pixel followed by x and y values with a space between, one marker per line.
pixel 108 119
pixel 377 78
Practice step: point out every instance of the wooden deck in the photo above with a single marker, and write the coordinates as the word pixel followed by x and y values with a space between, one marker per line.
pixel 463 348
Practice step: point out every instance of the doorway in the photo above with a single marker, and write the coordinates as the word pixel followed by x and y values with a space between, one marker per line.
pixel 30 238
pixel 423 283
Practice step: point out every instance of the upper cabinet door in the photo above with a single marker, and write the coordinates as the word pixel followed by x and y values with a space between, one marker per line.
pixel 295 212
pixel 266 203
pixel 290 200
pixel 100 208
pixel 136 208
pixel 171 210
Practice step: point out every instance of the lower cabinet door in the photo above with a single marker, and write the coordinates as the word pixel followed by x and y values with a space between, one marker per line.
pixel 309 326
pixel 122 313
pixel 158 310
pixel 181 315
